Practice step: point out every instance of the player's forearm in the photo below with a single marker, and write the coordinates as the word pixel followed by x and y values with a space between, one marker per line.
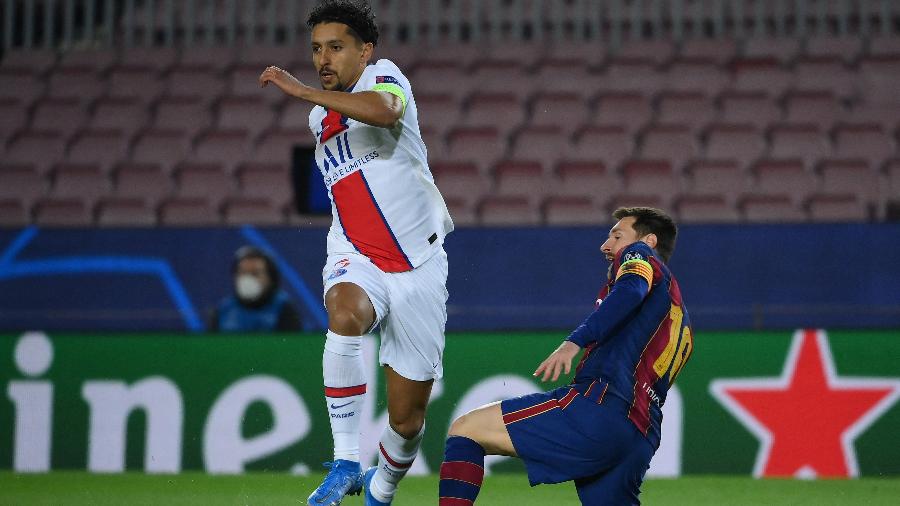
pixel 625 296
pixel 370 107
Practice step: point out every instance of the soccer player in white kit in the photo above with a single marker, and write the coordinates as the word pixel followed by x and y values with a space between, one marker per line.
pixel 386 264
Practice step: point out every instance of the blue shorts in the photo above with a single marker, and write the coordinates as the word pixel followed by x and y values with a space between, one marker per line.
pixel 563 435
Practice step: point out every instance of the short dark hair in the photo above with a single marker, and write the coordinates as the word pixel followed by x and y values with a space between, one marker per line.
pixel 357 15
pixel 649 220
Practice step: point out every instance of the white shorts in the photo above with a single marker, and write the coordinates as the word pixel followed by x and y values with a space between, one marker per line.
pixel 410 306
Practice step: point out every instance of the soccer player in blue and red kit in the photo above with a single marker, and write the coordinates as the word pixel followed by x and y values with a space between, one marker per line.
pixel 601 430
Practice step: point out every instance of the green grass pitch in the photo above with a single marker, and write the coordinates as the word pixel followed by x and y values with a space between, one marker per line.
pixel 195 489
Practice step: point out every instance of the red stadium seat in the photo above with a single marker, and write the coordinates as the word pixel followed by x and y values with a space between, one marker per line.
pixel 696 76
pixel 805 142
pixel 205 85
pixel 846 48
pixel 779 177
pixel 764 75
pixel 718 177
pixel 82 85
pixel 93 60
pixel 718 50
pixel 87 182
pixel 13 117
pixel 259 56
pixel 481 146
pixel 276 146
pixel 546 145
pixel 610 145
pixel 589 180
pixel 564 111
pixel 740 142
pixel 865 141
pixel 706 209
pixel 826 74
pixel 562 211
pixel 818 107
pixel 243 81
pixel 137 83
pixel 125 212
pixel 147 182
pixel 654 178
pixel 782 49
pixel 39 148
pixel 65 116
pixel 631 110
pixel 444 78
pixel 228 148
pixel 566 77
pixel 840 176
pixel 14 213
pixel 440 113
pixel 633 76
pixel 29 61
pixel 771 208
pixel 256 211
pixel 65 212
pixel 497 78
pixel 837 208
pixel 462 213
pixel 158 59
pixel 659 51
pixel 204 180
pixel 266 181
pixel 573 54
pixel 123 114
pixel 188 114
pixel 885 46
pixel 508 211
pixel 879 78
pixel 295 116
pixel 189 212
pixel 24 88
pixel 754 108
pixel 693 109
pixel 248 113
pixel 502 112
pixel 23 183
pixel 672 142
pixel 165 148
pixel 105 148
pixel 207 58
pixel 521 179
pixel 885 115
pixel 462 182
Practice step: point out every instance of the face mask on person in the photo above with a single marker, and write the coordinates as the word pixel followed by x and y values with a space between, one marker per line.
pixel 248 287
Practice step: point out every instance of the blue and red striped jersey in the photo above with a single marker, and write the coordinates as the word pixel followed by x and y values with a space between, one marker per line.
pixel 638 338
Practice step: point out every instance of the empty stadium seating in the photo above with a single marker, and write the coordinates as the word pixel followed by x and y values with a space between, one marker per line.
pixel 717 130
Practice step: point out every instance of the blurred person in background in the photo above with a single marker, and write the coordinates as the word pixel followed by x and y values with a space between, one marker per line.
pixel 386 264
pixel 258 304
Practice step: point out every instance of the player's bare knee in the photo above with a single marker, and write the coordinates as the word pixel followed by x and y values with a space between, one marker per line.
pixel 408 426
pixel 347 323
pixel 462 426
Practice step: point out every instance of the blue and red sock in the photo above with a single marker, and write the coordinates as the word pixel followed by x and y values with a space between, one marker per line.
pixel 461 473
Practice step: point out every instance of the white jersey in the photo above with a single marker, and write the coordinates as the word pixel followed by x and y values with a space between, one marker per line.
pixel 384 202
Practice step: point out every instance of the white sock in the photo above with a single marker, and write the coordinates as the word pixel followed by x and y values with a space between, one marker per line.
pixel 345 388
pixel 395 456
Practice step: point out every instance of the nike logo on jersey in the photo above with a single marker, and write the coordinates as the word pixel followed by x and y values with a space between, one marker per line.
pixel 340 406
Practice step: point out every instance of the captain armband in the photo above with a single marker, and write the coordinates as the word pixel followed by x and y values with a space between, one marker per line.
pixel 640 267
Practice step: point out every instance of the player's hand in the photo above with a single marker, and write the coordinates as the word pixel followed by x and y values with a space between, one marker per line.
pixel 283 79
pixel 560 361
